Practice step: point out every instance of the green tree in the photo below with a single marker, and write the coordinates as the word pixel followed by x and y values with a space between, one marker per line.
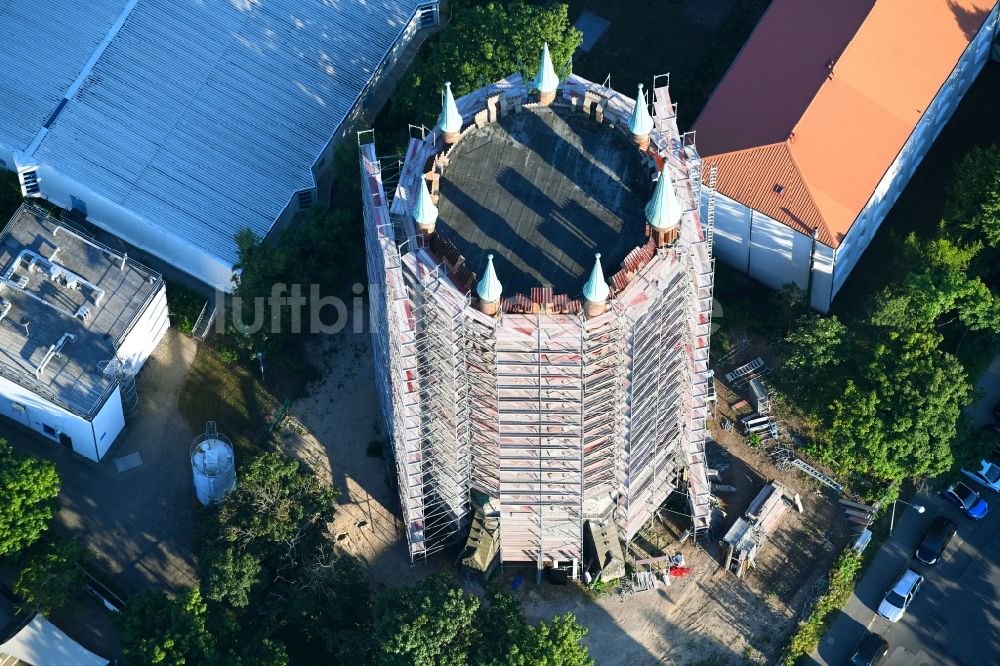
pixel 28 490
pixel 188 631
pixel 268 527
pixel 432 622
pixel 331 603
pixel 972 211
pixel 266 557
pixel 10 193
pixel 938 290
pixel 901 420
pixel 480 45
pixel 815 350
pixel 555 643
pixel 158 630
pixel 52 577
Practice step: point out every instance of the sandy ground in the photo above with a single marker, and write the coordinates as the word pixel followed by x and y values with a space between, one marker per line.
pixel 329 430
pixel 707 617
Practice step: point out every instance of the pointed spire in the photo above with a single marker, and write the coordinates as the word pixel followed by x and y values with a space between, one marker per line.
pixel 640 123
pixel 425 213
pixel 664 210
pixel 489 288
pixel 596 290
pixel 546 80
pixel 450 120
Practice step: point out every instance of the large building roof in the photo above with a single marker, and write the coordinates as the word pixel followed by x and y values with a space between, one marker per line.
pixel 201 117
pixel 60 291
pixel 823 97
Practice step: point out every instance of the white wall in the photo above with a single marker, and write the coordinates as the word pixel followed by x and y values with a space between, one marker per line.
pixel 146 332
pixel 732 222
pixel 778 253
pixel 108 422
pixel 129 227
pixel 38 412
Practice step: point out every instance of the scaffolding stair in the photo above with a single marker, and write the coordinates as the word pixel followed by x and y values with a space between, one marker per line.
pixel 816 474
pixel 745 370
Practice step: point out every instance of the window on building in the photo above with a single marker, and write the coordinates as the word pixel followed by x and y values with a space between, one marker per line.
pixel 428 16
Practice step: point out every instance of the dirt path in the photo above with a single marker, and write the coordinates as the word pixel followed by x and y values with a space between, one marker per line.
pixel 330 430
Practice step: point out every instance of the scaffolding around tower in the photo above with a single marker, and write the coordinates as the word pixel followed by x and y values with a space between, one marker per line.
pixel 556 413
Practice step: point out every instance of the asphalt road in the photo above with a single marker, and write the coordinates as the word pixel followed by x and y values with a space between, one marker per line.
pixel 955 618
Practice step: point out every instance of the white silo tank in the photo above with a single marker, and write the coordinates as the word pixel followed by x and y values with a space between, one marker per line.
pixel 213 464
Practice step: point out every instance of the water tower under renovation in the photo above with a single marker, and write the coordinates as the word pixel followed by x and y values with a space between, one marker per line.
pixel 522 388
pixel 213 465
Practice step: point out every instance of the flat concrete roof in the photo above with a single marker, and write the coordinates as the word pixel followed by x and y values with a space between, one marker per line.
pixel 543 190
pixel 54 282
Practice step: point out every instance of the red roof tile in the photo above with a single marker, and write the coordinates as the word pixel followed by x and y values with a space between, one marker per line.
pixel 823 97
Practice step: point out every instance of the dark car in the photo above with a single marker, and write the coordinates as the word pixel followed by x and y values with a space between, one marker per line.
pixel 967 500
pixel 935 541
pixel 870 651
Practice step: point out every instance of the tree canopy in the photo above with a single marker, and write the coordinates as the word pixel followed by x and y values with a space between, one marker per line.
pixel 890 387
pixel 482 44
pixel 52 576
pixel 29 487
pixel 436 622
pixel 186 631
pixel 972 212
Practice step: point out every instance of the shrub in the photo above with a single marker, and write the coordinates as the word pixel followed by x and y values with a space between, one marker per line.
pixel 843 576
pixel 184 305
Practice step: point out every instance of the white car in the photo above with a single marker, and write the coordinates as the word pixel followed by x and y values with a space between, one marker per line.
pixel 898 599
pixel 987 475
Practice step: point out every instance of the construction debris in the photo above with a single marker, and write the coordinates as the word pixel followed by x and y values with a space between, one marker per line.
pixel 749 533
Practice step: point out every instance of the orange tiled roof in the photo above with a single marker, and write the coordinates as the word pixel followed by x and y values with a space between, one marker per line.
pixel 823 97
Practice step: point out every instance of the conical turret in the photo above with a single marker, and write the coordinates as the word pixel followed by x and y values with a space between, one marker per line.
pixel 664 210
pixel 640 123
pixel 489 289
pixel 546 81
pixel 596 291
pixel 425 213
pixel 450 120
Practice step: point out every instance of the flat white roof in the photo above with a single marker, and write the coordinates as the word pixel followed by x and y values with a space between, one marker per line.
pixel 201 117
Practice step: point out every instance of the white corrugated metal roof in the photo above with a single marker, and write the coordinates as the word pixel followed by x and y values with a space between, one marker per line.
pixel 206 117
pixel 43 46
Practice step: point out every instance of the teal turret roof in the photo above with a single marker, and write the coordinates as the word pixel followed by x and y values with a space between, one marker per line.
pixel 640 122
pixel 489 288
pixel 664 210
pixel 596 290
pixel 450 119
pixel 546 79
pixel 425 213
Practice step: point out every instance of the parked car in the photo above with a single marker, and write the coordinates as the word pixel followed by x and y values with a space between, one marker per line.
pixel 870 651
pixel 967 500
pixel 900 596
pixel 987 475
pixel 935 541
pixel 993 428
pixel 996 411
